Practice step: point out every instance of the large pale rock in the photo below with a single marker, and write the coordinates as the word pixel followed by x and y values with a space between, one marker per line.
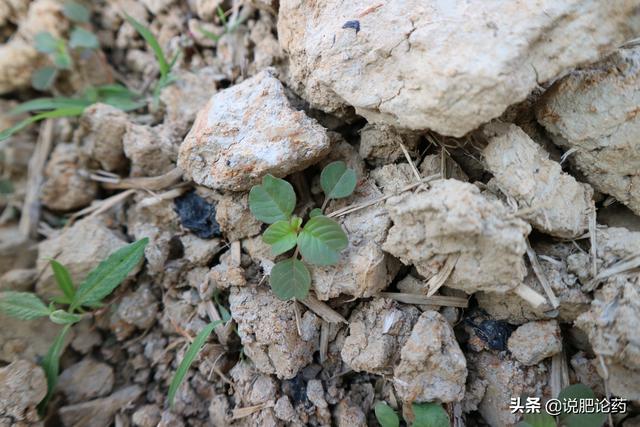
pixel 267 328
pixel 377 331
pixel 454 219
pixel 86 380
pixel 80 248
pixel 448 66
pixel 22 386
pixel 247 131
pixel 522 170
pixel 432 366
pixel 594 112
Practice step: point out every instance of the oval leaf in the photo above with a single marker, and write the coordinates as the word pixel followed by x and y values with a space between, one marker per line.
pixel 61 317
pixel 109 274
pixel 189 357
pixel 429 415
pixel 386 416
pixel 315 212
pixel 273 200
pixel 290 279
pixel 63 278
pixel 43 78
pixel 337 180
pixel 45 42
pixel 321 240
pixel 580 391
pixel 281 236
pixel 22 305
pixel 83 38
pixel 75 12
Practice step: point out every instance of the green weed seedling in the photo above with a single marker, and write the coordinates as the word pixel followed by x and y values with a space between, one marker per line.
pixel 425 415
pixel 58 49
pixel 228 27
pixel 99 284
pixel 319 241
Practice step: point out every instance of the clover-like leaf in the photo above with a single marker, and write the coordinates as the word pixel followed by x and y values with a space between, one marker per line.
pixel 429 415
pixel 580 391
pixel 321 240
pixel 83 38
pixel 386 416
pixel 290 279
pixel 273 200
pixel 22 305
pixel 282 235
pixel 45 42
pixel 75 11
pixel 337 180
pixel 43 78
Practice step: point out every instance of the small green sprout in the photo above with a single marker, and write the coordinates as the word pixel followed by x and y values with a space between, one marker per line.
pixel 319 241
pixel 166 77
pixel 100 282
pixel 228 27
pixel 58 49
pixel 424 415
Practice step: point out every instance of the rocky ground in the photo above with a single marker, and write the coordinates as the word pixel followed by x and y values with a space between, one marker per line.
pixel 494 237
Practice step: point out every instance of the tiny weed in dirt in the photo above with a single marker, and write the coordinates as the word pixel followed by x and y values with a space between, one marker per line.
pixel 96 286
pixel 319 241
pixel 573 393
pixel 423 414
pixel 228 27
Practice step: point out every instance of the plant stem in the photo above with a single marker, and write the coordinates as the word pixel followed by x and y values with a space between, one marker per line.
pixel 324 204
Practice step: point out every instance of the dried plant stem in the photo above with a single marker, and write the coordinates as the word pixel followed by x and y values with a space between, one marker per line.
pixel 537 269
pixel 446 301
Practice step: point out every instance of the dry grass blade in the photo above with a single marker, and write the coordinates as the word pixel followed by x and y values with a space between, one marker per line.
pixel 594 242
pixel 324 340
pixel 155 183
pixel 536 300
pixel 323 310
pixel 537 269
pixel 246 411
pixel 223 331
pixel 167 195
pixel 438 280
pixel 408 157
pixel 441 300
pixel 100 206
pixel 620 267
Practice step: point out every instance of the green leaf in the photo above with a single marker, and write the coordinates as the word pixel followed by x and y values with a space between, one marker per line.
pixel 6 186
pixel 62 317
pixel 315 212
pixel 49 104
pixel 188 359
pixel 45 42
pixel 60 112
pixel 43 78
pixel 22 305
pixel 337 180
pixel 290 279
pixel 62 60
pixel 63 278
pixel 539 420
pixel 429 415
pixel 51 366
pixel 273 200
pixel 281 235
pixel 386 416
pixel 109 274
pixel 76 12
pixel 153 43
pixel 580 391
pixel 83 38
pixel 321 240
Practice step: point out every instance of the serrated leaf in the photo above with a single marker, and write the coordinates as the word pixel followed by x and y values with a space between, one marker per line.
pixel 189 357
pixel 315 212
pixel 63 279
pixel 83 38
pixel 45 42
pixel 76 12
pixel 273 200
pixel 289 279
pixel 281 236
pixel 60 112
pixel 43 78
pixel 321 240
pixel 22 305
pixel 62 317
pixel 429 415
pixel 580 391
pixel 386 416
pixel 337 180
pixel 153 44
pixel 109 274
pixel 539 420
pixel 51 366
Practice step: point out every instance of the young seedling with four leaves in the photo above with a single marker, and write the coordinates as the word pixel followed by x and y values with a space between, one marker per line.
pixel 319 241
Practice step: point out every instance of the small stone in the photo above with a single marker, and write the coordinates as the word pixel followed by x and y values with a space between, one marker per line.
pixel 586 371
pixel 197 215
pixel 86 380
pixel 86 337
pixel 67 185
pixel 146 416
pixel 315 393
pixel 349 415
pixel 169 419
pixel 102 128
pixel 157 6
pixel 392 178
pixel 380 144
pixel 150 149
pixel 432 366
pixel 535 341
pixel 19 279
pixel 284 409
pixel 139 308
pixel 16 251
pixel 247 131
pixel 29 340
pixel 235 219
pixel 99 412
pixel 22 386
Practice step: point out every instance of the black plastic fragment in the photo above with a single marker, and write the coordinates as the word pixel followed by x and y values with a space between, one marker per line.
pixel 495 333
pixel 355 25
pixel 197 215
